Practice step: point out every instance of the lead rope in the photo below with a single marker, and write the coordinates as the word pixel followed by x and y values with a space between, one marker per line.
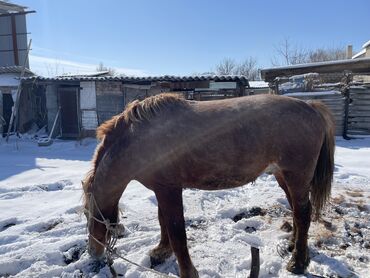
pixel 112 240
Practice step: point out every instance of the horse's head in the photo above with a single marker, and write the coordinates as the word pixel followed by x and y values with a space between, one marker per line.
pixel 98 234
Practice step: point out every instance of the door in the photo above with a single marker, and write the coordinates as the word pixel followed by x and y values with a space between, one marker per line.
pixel 7 111
pixel 68 100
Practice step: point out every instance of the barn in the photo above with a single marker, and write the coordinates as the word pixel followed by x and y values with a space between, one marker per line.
pixel 9 82
pixel 85 101
pixel 344 86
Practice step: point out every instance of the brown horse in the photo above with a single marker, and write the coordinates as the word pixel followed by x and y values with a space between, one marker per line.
pixel 168 143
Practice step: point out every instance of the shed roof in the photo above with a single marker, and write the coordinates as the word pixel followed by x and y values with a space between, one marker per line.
pixel 133 79
pixel 361 65
pixel 7 8
pixel 14 69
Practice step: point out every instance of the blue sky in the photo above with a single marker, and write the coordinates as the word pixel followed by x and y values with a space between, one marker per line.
pixel 183 37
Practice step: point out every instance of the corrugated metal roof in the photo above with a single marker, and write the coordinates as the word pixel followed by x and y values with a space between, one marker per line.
pixel 164 78
pixel 6 7
pixel 14 69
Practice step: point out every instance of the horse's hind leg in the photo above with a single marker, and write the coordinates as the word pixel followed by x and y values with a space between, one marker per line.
pixel 163 251
pixel 170 202
pixel 282 183
pixel 299 193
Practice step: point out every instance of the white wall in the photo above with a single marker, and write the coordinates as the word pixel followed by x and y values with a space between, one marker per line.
pixel 89 119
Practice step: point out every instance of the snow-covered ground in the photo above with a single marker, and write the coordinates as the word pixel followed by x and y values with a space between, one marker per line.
pixel 43 233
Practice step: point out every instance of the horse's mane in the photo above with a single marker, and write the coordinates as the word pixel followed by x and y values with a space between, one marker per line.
pixel 118 126
pixel 139 111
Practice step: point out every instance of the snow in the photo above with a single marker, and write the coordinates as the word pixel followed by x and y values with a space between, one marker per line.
pixel 9 79
pixel 258 84
pixel 366 44
pixel 43 232
pixel 359 54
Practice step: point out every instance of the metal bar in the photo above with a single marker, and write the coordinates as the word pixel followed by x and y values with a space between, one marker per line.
pixel 255 267
pixel 16 104
pixel 15 42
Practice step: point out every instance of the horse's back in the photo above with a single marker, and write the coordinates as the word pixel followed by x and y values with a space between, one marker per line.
pixel 226 143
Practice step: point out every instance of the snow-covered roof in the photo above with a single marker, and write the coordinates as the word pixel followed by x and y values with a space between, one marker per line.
pixel 363 51
pixel 355 65
pixel 86 74
pixel 359 54
pixel 258 84
pixel 366 44
pixel 6 8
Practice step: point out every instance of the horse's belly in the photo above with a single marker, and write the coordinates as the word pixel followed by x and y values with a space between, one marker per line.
pixel 220 182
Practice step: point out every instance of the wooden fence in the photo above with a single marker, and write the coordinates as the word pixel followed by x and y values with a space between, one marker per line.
pixel 359 110
pixel 333 99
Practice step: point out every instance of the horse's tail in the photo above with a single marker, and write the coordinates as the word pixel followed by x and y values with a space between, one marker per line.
pixel 323 177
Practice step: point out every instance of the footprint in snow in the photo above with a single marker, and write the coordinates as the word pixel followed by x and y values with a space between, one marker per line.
pixel 7 223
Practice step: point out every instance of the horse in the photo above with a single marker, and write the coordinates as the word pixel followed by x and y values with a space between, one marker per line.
pixel 168 144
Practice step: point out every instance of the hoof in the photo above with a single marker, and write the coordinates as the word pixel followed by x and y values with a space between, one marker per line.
pixel 158 255
pixel 121 231
pixel 192 273
pixel 297 268
pixel 155 261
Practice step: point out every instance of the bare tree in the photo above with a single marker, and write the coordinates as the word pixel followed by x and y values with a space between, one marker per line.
pixel 101 67
pixel 226 67
pixel 328 54
pixel 248 68
pixel 287 54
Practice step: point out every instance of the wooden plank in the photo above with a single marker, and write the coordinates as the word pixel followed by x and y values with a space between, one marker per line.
pixel 359 108
pixel 321 98
pixel 359 125
pixel 358 132
pixel 359 120
pixel 360 102
pixel 360 115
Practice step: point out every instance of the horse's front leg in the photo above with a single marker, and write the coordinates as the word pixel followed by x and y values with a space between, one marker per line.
pixel 164 250
pixel 170 203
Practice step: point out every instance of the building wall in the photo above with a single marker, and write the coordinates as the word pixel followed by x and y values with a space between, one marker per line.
pixel 52 108
pixel 89 117
pixel 109 99
pixel 6 40
pixel 1 112
pixel 134 91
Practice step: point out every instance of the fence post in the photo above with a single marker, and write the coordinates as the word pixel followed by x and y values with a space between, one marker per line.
pixel 255 267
